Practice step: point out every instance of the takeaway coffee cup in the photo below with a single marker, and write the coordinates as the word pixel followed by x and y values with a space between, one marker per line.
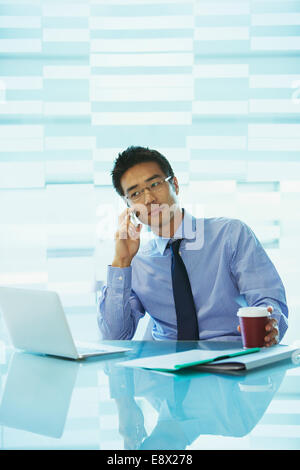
pixel 252 322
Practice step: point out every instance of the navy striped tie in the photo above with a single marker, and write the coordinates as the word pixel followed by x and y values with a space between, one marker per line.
pixel 187 322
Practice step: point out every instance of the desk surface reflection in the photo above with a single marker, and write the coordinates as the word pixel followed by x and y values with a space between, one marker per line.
pixel 52 403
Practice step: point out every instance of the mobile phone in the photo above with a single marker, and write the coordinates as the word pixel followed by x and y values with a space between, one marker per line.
pixel 134 219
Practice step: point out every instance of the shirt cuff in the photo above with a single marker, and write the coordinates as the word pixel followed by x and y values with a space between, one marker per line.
pixel 119 278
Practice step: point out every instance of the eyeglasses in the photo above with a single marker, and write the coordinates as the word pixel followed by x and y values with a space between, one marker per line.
pixel 154 187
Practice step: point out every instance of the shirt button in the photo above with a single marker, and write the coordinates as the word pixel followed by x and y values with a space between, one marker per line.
pixel 120 278
pixel 179 252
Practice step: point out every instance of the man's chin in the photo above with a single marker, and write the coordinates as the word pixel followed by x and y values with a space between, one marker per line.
pixel 161 223
pixel 157 220
pixel 161 217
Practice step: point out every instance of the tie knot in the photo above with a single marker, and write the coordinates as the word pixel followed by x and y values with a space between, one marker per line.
pixel 175 245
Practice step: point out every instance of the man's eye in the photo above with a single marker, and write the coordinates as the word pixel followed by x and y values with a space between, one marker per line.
pixel 135 194
pixel 154 185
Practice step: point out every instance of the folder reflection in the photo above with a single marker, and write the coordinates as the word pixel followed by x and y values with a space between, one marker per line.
pixel 37 394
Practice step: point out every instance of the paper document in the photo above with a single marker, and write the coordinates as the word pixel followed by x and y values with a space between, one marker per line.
pixel 264 357
pixel 181 360
pixel 227 359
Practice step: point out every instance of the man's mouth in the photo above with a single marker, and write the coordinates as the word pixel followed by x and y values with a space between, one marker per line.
pixel 155 210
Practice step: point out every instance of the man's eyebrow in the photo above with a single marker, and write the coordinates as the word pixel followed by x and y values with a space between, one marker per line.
pixel 146 181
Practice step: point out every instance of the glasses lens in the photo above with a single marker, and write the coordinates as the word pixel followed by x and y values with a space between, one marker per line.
pixel 155 186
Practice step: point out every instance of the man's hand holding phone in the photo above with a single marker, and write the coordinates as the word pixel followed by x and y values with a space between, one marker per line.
pixel 127 239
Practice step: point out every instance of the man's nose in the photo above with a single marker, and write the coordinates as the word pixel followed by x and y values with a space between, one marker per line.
pixel 148 198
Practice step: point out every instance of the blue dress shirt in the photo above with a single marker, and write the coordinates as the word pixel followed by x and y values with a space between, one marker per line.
pixel 227 267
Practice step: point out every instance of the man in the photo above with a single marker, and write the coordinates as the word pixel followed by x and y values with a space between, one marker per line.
pixel 222 259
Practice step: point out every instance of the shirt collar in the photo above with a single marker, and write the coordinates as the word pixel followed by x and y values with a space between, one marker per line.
pixel 187 229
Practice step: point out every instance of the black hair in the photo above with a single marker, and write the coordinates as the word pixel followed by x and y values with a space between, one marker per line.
pixel 133 156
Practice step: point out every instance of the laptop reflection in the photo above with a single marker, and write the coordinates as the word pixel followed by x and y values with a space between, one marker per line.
pixel 37 394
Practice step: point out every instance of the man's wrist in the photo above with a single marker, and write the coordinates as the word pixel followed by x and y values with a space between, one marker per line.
pixel 121 263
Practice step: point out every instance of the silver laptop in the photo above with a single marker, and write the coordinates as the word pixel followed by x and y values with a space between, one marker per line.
pixel 36 322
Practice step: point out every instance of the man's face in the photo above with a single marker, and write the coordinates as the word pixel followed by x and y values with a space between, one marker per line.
pixel 154 206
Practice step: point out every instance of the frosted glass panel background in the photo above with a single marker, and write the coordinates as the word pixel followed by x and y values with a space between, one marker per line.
pixel 213 85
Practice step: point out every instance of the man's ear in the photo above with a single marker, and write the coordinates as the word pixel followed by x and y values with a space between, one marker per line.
pixel 175 185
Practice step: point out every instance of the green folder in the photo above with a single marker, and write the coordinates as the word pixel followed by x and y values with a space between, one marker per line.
pixel 216 358
pixel 182 360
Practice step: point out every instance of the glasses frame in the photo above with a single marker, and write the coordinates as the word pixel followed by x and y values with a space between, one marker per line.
pixel 142 191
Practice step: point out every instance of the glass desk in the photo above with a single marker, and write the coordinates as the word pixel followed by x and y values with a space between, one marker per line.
pixel 52 403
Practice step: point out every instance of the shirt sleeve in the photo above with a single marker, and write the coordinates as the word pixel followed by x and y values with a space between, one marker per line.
pixel 119 309
pixel 256 276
